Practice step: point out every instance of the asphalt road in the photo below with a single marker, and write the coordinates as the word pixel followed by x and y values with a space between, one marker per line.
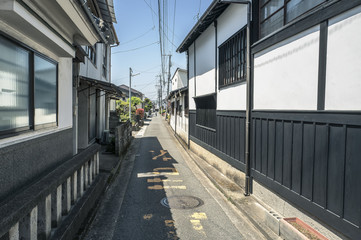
pixel 156 195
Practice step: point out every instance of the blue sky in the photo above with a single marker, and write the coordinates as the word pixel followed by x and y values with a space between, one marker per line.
pixel 138 34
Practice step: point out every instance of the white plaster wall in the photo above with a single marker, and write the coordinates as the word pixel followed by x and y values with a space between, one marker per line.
pixel 191 61
pixel 343 74
pixel 231 21
pixel 205 62
pixel 232 97
pixel 192 103
pixel 65 86
pixel 286 75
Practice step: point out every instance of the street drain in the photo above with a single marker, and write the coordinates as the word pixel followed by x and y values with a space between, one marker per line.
pixel 181 202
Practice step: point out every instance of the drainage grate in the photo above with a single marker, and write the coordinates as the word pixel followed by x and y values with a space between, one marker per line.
pixel 182 202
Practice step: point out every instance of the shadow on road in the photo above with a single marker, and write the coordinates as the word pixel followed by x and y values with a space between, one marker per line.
pixel 142 215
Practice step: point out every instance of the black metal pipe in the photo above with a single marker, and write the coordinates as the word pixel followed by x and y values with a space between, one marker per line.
pixel 249 96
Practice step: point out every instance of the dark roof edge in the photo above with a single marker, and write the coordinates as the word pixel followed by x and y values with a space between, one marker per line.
pixel 183 46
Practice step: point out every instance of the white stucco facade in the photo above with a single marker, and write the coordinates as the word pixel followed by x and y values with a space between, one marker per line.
pixel 286 75
pixel 343 75
pixel 205 61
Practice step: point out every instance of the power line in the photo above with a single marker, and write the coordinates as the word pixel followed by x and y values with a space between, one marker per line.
pixel 134 49
pixel 175 5
pixel 123 43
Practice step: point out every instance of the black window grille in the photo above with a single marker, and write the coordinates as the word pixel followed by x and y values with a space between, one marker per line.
pixel 232 59
pixel 274 14
pixel 206 111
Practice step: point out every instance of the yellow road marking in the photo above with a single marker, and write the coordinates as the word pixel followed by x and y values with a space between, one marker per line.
pixel 156 180
pixel 147 216
pixel 199 215
pixel 165 159
pixel 160 187
pixel 162 153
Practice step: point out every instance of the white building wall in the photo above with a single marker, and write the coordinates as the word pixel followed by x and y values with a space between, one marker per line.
pixel 205 62
pixel 343 74
pixel 192 104
pixel 229 23
pixel 286 75
pixel 65 93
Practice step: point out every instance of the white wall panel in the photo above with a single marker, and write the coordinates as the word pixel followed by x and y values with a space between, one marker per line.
pixel 231 21
pixel 343 75
pixel 65 91
pixel 205 65
pixel 286 75
pixel 191 61
pixel 232 98
pixel 192 104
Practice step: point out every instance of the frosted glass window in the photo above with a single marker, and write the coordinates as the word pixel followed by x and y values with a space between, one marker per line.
pixel 14 86
pixel 45 91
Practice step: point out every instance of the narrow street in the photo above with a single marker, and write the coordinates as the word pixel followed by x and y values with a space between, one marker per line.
pixel 163 198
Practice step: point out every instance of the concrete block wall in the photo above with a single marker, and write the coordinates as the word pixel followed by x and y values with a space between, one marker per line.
pixel 123 135
pixel 44 214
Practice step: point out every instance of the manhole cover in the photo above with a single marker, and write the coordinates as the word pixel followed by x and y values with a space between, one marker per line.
pixel 181 202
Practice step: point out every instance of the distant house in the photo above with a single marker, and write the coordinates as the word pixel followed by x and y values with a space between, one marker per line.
pixel 43 177
pixel 125 96
pixel 303 101
pixel 178 99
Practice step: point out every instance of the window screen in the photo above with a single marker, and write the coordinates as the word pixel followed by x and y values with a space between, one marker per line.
pixel 45 91
pixel 14 86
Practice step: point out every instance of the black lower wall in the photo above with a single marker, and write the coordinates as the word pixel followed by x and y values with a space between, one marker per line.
pixel 313 159
pixel 23 163
pixel 227 141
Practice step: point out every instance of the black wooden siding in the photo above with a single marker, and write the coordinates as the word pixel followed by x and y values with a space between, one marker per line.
pixel 227 141
pixel 312 159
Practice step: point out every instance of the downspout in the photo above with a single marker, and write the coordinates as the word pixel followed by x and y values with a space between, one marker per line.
pixel 216 56
pixel 248 95
pixel 188 97
pixel 248 103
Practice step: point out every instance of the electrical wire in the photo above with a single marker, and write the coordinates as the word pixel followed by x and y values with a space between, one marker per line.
pixel 142 35
pixel 134 49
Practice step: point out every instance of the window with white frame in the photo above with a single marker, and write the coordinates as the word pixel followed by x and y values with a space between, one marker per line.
pixel 28 89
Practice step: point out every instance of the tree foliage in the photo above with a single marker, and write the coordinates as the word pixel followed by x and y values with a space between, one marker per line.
pixel 148 105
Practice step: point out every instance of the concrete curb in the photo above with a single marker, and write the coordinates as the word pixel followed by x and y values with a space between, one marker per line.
pixel 265 220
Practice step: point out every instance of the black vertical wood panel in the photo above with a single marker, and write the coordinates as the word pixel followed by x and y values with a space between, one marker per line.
pixel 258 146
pixel 279 151
pixel 352 199
pixel 271 149
pixel 307 159
pixel 232 137
pixel 224 149
pixel 237 138
pixel 320 171
pixel 229 130
pixel 336 170
pixel 242 139
pixel 297 156
pixel 253 144
pixel 287 154
pixel 264 146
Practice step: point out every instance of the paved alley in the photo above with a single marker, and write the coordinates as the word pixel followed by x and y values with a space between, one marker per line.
pixel 157 196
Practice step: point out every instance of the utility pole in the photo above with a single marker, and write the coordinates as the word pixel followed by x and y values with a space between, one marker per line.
pixel 169 66
pixel 130 92
pixel 161 94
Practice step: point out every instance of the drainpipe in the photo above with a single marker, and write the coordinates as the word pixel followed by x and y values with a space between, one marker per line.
pixel 249 96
